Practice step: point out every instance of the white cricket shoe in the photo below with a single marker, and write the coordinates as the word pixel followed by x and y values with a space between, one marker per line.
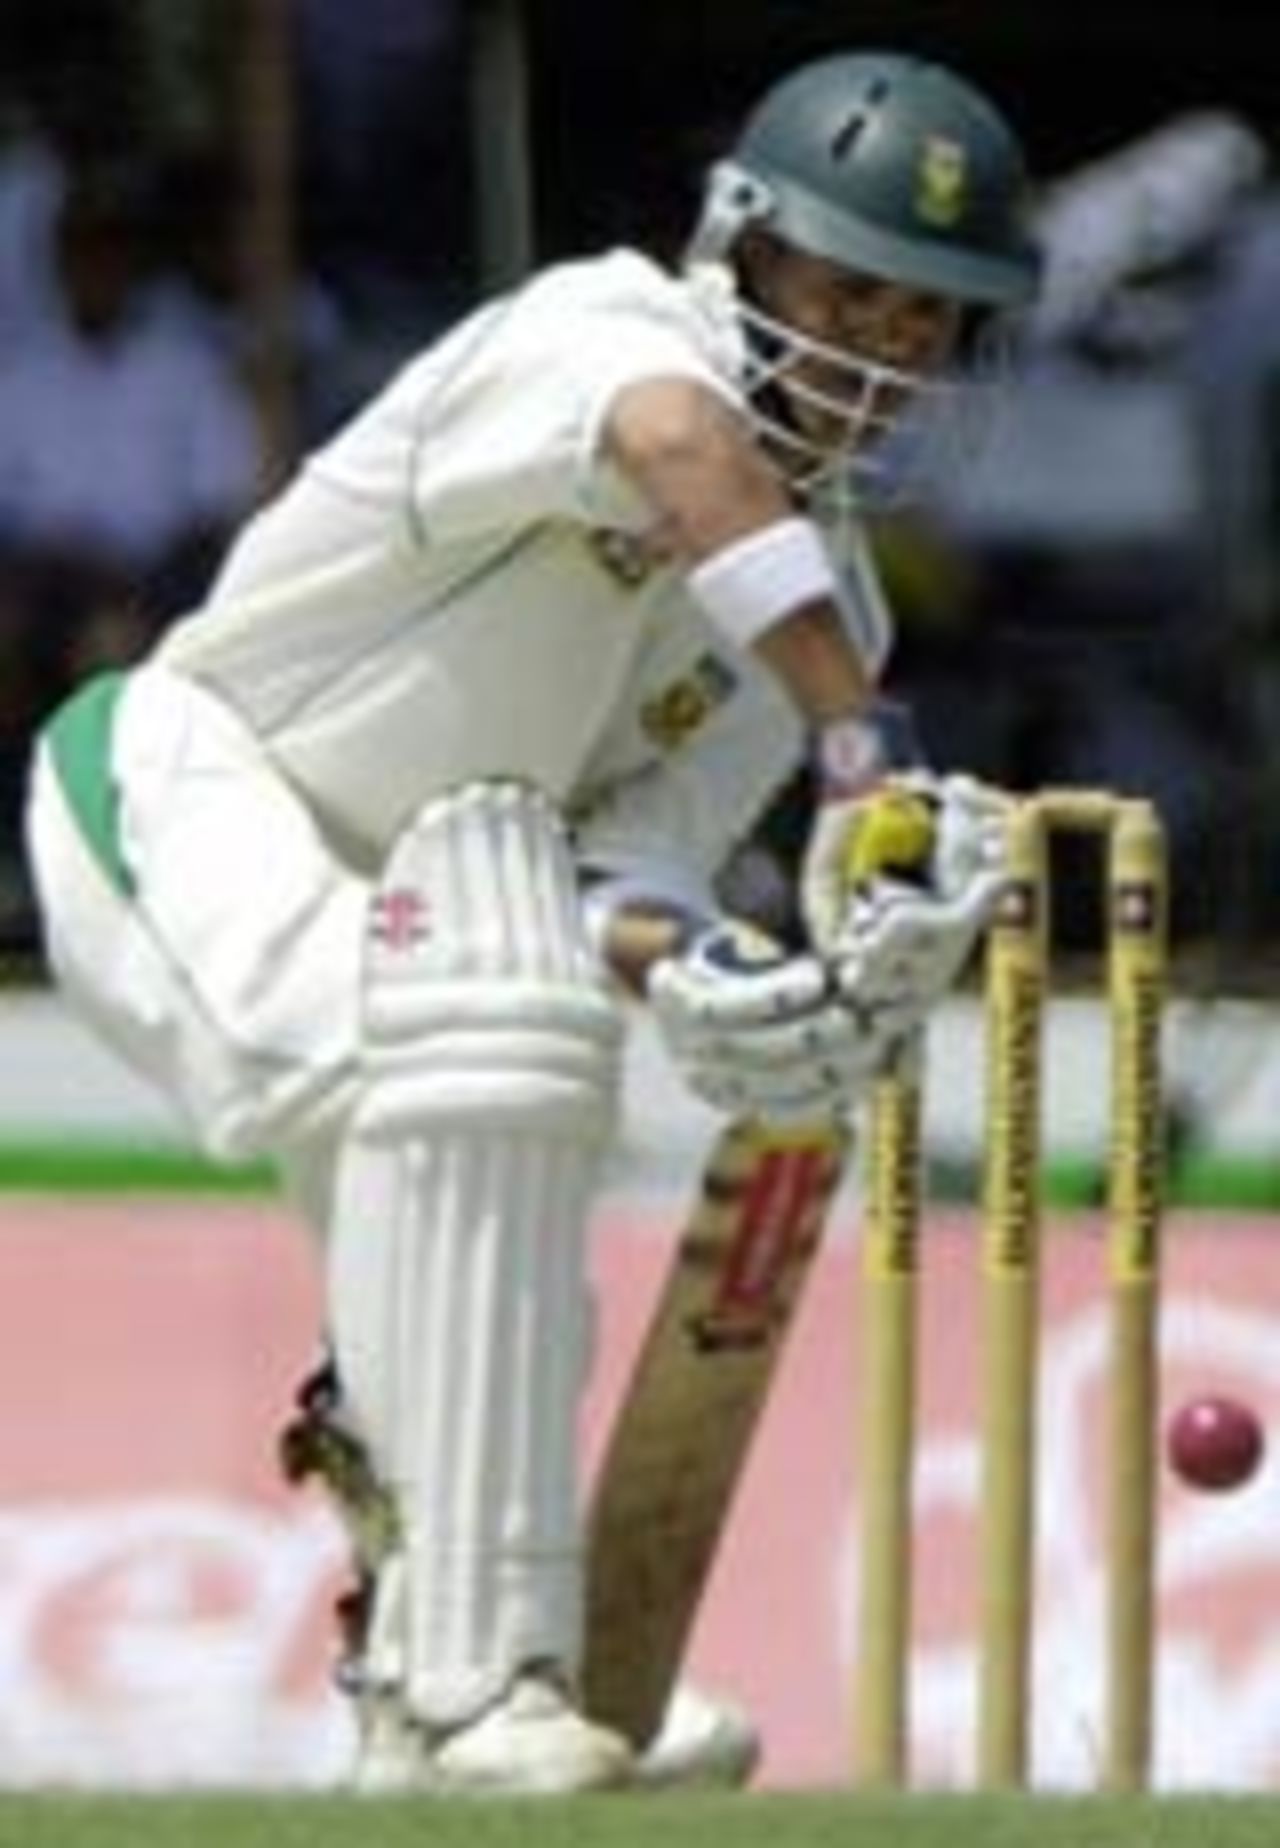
pixel 533 1742
pixel 704 1740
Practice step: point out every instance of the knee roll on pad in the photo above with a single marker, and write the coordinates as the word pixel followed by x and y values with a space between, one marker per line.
pixel 485 1001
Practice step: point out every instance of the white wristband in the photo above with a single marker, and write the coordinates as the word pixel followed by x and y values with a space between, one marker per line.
pixel 752 583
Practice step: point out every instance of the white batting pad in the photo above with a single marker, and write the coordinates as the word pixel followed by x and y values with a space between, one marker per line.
pixel 457 1269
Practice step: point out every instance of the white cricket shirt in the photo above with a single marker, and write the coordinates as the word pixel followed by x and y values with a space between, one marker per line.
pixel 451 589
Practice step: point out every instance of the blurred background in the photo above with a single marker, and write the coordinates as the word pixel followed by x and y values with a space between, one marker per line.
pixel 223 222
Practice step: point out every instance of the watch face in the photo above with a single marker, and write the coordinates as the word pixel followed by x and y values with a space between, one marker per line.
pixel 851 754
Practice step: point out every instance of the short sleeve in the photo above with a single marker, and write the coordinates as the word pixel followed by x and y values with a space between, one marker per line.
pixel 511 433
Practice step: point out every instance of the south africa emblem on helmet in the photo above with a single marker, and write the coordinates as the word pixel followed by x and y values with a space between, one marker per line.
pixel 942 181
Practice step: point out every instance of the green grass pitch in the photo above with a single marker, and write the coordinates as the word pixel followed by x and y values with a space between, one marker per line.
pixel 774 1820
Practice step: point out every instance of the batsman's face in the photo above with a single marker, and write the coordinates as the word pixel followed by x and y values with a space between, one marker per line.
pixel 846 353
pixel 864 347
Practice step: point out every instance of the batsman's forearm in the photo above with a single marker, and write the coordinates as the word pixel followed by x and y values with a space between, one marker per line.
pixel 811 654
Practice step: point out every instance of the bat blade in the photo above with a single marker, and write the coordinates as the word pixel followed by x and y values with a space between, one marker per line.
pixel 682 1434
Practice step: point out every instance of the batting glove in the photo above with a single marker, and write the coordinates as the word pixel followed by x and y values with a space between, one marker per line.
pixel 755 1031
pixel 907 935
pixel 865 823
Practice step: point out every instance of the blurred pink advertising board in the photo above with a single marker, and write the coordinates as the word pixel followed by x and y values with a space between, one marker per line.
pixel 164 1598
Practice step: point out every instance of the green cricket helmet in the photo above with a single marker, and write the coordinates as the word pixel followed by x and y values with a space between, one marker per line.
pixel 890 167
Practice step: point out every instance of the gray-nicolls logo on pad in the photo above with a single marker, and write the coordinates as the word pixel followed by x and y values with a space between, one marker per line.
pixel 401 918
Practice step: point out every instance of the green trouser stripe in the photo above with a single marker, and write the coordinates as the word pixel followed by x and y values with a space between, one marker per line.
pixel 54 1165
pixel 79 740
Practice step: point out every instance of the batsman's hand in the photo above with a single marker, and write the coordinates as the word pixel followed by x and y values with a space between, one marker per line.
pixel 755 1031
pixel 886 832
pixel 870 819
pixel 910 924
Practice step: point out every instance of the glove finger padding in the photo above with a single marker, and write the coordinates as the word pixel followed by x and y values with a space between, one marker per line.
pixel 890 830
pixel 915 831
pixel 970 832
pixel 755 1031
pixel 904 948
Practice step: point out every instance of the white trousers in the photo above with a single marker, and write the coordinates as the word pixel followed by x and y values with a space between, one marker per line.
pixel 229 975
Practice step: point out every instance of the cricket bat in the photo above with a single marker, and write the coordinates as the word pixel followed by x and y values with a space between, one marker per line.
pixel 682 1434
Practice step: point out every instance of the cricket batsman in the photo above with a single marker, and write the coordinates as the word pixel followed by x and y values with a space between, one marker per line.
pixel 352 865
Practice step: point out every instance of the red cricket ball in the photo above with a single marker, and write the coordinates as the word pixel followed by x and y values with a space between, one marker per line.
pixel 1215 1442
